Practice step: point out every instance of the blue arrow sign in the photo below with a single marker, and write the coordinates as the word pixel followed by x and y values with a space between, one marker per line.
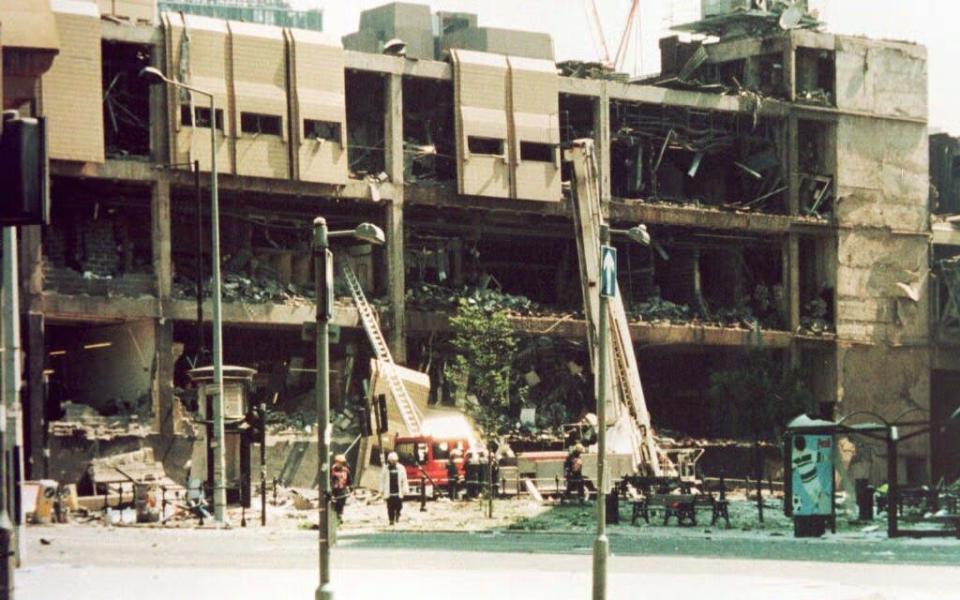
pixel 608 271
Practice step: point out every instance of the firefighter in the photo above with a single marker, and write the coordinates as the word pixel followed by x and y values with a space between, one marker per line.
pixel 470 468
pixel 453 473
pixel 340 483
pixel 573 472
pixel 394 486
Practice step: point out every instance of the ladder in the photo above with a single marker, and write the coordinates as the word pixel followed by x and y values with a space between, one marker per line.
pixel 408 410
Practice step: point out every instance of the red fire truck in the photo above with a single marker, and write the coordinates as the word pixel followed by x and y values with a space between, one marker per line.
pixel 425 458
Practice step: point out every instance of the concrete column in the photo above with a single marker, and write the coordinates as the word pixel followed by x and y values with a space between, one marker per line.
pixel 31 261
pixel 160 239
pixel 393 154
pixel 163 379
pixel 163 274
pixel 31 287
pixel 601 138
pixel 791 290
pixel 790 68
pixel 793 164
pixel 35 424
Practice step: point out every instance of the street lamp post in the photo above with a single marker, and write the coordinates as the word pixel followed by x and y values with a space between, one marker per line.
pixel 154 76
pixel 601 545
pixel 323 280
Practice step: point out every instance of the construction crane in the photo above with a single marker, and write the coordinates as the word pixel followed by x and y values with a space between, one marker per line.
pixel 628 420
pixel 616 63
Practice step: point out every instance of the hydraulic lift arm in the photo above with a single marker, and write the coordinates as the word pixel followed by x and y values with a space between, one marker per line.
pixel 628 420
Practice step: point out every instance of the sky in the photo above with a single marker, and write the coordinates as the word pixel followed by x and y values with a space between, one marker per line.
pixel 932 23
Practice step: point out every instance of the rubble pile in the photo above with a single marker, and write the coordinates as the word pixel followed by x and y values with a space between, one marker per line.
pixel 658 309
pixel 429 297
pixel 590 70
pixel 82 421
pixel 814 317
pixel 237 287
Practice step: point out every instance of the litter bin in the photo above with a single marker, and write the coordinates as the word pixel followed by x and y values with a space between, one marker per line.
pixel 865 499
pixel 613 507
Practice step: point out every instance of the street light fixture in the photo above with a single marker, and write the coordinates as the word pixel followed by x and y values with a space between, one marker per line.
pixel 323 277
pixel 154 76
pixel 601 546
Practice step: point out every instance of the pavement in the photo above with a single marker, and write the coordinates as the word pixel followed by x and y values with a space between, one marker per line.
pixel 106 563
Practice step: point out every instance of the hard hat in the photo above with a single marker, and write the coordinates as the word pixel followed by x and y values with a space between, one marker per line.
pixel 393 457
pixel 340 459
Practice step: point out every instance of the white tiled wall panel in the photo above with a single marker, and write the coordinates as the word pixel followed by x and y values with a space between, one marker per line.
pixel 259 86
pixel 481 96
pixel 317 92
pixel 71 95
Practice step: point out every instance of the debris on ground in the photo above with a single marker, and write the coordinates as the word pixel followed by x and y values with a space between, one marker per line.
pixel 82 421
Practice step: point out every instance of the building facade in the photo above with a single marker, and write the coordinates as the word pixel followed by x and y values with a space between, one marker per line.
pixel 787 190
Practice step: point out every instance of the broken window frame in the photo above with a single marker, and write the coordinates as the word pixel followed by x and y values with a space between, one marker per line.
pixel 126 106
pixel 323 131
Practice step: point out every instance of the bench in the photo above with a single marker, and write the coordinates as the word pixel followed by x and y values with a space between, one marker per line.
pixel 681 506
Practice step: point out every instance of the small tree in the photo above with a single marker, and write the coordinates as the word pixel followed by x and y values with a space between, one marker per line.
pixel 758 398
pixel 482 366
pixel 484 348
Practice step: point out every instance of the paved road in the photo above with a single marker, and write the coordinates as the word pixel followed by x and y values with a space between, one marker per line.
pixel 107 564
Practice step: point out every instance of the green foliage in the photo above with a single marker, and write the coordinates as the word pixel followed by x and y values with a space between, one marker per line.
pixel 758 398
pixel 484 348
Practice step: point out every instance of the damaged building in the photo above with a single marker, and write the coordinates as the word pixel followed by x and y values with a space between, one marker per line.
pixel 783 175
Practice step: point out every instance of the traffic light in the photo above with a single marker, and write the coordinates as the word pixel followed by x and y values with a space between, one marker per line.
pixel 382 414
pixel 24 198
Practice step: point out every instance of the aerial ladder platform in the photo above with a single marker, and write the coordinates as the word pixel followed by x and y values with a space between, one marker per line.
pixel 628 420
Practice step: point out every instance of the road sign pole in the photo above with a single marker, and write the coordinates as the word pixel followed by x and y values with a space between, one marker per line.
pixel 607 288
pixel 323 273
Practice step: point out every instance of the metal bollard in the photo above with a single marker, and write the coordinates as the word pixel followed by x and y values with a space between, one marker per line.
pixel 423 494
pixel 275 482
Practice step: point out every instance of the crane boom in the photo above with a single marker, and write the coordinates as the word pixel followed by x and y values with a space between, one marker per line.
pixel 595 18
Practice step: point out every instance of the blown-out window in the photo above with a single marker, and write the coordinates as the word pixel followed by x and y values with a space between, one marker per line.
pixel 314 129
